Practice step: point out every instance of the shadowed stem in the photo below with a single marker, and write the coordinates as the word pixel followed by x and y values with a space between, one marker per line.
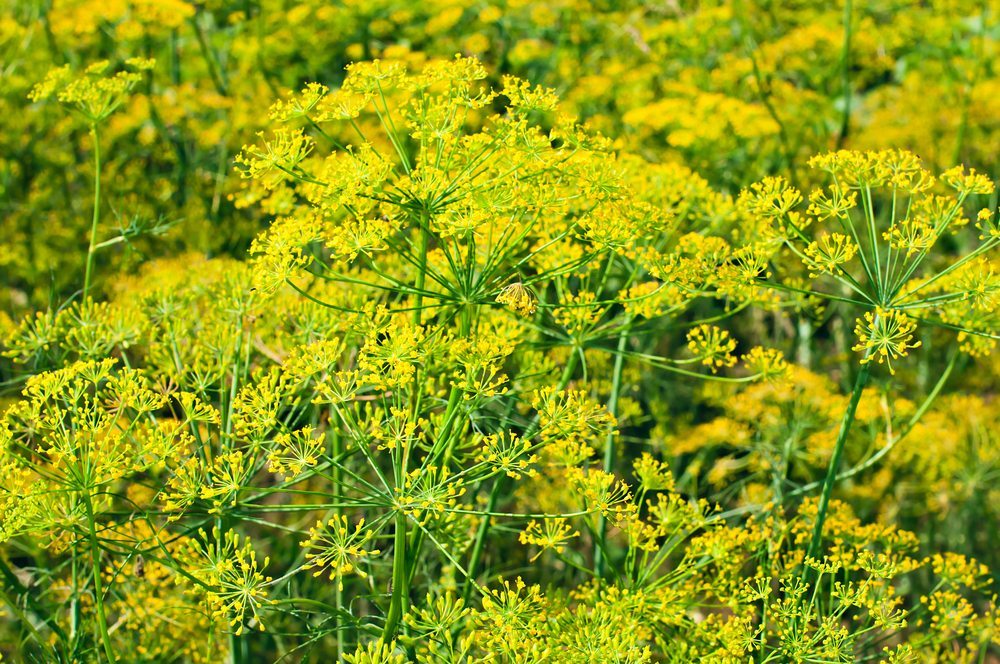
pixel 400 579
pixel 609 447
pixel 102 623
pixel 400 573
pixel 838 451
pixel 92 247
pixel 845 118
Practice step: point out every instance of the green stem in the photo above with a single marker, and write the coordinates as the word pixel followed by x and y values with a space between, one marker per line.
pixel 609 447
pixel 102 623
pixel 845 118
pixel 484 526
pixel 74 607
pixel 838 451
pixel 92 247
pixel 890 444
pixel 399 580
pixel 893 441
pixel 337 451
pixel 425 239
pixel 400 573
pixel 235 649
pixel 214 71
pixel 454 398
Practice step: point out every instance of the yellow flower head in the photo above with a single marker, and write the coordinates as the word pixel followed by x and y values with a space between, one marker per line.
pixel 518 298
pixel 712 346
pixel 884 335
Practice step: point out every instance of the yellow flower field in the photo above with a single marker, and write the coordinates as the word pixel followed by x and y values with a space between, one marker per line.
pixel 467 331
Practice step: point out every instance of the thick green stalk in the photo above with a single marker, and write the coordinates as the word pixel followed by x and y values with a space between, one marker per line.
pixel 235 649
pixel 74 605
pixel 838 451
pixel 421 280
pixel 609 447
pixel 455 396
pixel 214 71
pixel 400 573
pixel 92 247
pixel 400 580
pixel 484 526
pixel 102 623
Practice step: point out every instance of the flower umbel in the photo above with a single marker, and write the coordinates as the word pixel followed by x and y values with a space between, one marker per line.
pixel 518 298
pixel 712 346
pixel 884 335
pixel 335 547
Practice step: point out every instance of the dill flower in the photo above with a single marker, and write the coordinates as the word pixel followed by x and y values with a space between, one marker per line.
pixel 986 222
pixel 653 475
pixel 772 197
pixel 833 205
pixel 884 335
pixel 278 157
pixel 950 613
pixel 95 92
pixel 768 363
pixel 829 252
pixel 375 652
pixel 510 607
pixel 338 388
pixel 226 477
pixel 578 313
pixel 912 235
pixel 442 625
pixel 257 405
pixel 293 453
pixel 967 182
pixel 548 534
pixel 598 491
pixel 196 410
pixel 299 106
pixel 333 547
pixel 507 453
pixel 891 216
pixel 226 565
pixel 391 359
pixel 481 365
pixel 570 416
pixel 242 587
pixel 527 97
pixel 21 497
pixel 712 346
pixel 959 570
pixel 89 422
pixel 518 298
pixel 427 492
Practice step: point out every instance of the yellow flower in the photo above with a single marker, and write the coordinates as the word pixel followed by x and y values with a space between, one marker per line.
pixel 548 534
pixel 335 548
pixel 519 298
pixel 829 253
pixel 884 335
pixel 712 346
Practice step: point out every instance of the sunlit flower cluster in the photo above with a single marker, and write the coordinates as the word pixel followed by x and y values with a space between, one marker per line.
pixel 499 331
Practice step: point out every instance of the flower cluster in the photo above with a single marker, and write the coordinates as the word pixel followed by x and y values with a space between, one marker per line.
pixel 491 330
